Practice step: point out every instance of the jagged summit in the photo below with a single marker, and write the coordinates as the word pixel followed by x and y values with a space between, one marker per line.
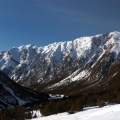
pixel 63 63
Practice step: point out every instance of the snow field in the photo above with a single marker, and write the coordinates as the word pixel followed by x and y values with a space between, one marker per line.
pixel 109 112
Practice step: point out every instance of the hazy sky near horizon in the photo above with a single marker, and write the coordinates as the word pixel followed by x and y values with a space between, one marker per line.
pixel 42 22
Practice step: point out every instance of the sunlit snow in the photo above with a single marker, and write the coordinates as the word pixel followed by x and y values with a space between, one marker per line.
pixel 109 112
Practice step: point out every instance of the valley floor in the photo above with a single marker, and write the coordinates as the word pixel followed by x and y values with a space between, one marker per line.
pixel 109 112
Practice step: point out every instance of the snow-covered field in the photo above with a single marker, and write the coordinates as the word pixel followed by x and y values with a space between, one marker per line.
pixel 109 112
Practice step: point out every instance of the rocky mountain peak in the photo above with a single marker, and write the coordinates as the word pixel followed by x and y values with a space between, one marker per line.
pixel 62 63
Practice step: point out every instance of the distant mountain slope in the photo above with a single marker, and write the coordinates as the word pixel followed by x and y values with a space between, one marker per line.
pixel 12 94
pixel 64 67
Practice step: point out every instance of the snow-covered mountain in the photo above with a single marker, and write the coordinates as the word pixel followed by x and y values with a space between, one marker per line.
pixel 12 94
pixel 74 65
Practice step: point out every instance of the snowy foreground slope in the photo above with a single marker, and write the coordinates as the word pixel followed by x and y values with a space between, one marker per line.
pixel 110 112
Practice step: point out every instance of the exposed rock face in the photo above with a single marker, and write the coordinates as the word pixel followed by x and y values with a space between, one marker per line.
pixel 74 65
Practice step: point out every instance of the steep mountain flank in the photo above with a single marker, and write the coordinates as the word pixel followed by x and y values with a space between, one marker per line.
pixel 12 94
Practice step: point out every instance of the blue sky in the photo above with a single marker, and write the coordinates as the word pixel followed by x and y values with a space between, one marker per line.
pixel 41 22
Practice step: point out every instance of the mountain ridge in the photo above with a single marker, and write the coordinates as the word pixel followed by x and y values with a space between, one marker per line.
pixel 82 61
